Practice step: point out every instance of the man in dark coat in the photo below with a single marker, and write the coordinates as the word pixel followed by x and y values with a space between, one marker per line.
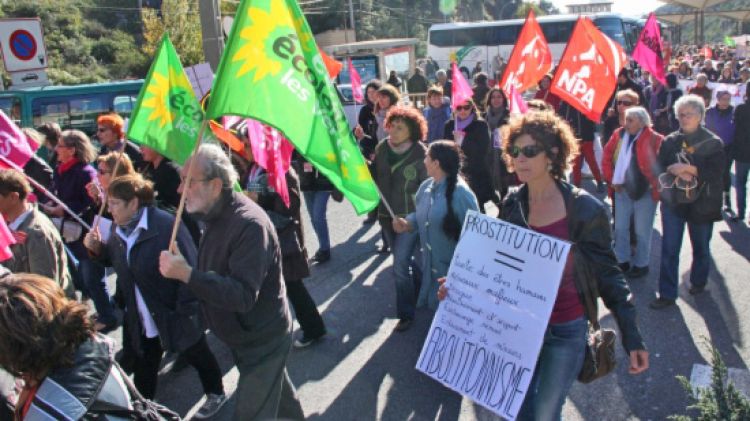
pixel 239 282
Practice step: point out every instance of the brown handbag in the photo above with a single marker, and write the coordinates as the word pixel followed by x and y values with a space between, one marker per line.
pixel 600 346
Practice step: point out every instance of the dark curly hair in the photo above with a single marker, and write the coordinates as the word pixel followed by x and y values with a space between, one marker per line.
pixel 40 328
pixel 413 118
pixel 548 130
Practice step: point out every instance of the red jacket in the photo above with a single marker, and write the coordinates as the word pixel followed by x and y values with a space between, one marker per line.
pixel 646 150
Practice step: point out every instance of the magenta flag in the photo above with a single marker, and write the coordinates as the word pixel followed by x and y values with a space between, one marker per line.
pixel 517 104
pixel 6 239
pixel 273 153
pixel 461 91
pixel 648 50
pixel 356 82
pixel 14 144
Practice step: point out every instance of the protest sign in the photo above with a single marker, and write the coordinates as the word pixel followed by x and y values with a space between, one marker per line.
pixel 736 89
pixel 486 335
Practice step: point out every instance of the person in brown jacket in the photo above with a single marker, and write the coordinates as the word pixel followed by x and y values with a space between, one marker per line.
pixel 39 248
pixel 399 170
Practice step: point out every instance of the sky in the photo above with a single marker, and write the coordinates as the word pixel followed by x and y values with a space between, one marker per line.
pixel 626 7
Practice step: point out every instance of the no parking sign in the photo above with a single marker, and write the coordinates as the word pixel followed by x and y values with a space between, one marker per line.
pixel 22 45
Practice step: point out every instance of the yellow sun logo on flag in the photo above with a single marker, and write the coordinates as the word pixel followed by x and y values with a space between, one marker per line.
pixel 159 89
pixel 254 52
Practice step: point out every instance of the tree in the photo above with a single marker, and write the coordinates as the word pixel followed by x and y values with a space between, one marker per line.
pixel 182 20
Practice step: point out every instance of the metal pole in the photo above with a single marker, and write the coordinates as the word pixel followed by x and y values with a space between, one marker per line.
pixel 213 39
pixel 351 20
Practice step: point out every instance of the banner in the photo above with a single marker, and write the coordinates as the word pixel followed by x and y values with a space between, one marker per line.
pixel 356 83
pixel 648 51
pixel 486 335
pixel 14 144
pixel 530 60
pixel 737 90
pixel 460 90
pixel 587 73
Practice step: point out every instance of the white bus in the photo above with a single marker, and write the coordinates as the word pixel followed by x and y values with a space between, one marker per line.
pixel 470 42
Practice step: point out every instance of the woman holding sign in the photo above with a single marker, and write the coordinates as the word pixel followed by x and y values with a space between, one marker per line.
pixel 539 146
pixel 442 203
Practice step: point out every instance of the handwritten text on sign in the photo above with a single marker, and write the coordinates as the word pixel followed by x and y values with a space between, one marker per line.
pixel 486 335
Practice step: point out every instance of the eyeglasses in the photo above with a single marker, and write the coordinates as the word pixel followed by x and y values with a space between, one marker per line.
pixel 464 108
pixel 625 103
pixel 529 151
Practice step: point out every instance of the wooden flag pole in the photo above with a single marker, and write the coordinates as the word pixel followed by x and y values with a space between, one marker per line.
pixel 104 193
pixel 46 192
pixel 385 202
pixel 185 185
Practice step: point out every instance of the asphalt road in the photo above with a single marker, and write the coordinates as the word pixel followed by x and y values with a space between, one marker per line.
pixel 364 371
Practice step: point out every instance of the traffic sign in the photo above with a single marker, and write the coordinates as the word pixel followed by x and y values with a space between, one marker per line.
pixel 22 45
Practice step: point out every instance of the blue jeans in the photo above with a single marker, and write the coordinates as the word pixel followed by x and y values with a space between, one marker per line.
pixel 92 274
pixel 560 361
pixel 643 211
pixel 406 271
pixel 741 170
pixel 673 228
pixel 317 203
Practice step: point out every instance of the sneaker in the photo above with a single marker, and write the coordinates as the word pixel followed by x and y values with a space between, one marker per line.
pixel 304 341
pixel 661 303
pixel 321 256
pixel 637 272
pixel 211 406
pixel 403 325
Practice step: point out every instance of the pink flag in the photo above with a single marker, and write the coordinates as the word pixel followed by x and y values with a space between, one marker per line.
pixel 517 104
pixel 272 152
pixel 356 82
pixel 461 90
pixel 648 50
pixel 14 144
pixel 6 239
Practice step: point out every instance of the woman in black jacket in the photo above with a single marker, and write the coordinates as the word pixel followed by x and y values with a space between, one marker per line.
pixel 160 314
pixel 473 136
pixel 538 147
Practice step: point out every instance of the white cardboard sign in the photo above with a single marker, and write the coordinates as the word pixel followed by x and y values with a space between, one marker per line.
pixel 486 335
pixel 22 44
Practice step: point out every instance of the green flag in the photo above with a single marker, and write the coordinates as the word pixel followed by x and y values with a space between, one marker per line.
pixel 167 116
pixel 271 71
pixel 447 7
pixel 729 41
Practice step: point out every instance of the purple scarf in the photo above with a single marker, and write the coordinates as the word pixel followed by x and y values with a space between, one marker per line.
pixel 461 124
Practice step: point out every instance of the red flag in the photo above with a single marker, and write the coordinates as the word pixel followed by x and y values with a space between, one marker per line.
pixel 6 239
pixel 531 58
pixel 587 73
pixel 356 83
pixel 272 152
pixel 461 91
pixel 332 65
pixel 648 52
pixel 14 144
pixel 707 52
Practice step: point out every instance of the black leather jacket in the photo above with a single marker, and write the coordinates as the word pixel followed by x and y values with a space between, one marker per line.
pixel 595 263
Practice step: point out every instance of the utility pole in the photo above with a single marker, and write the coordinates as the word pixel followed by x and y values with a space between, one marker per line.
pixel 351 19
pixel 213 39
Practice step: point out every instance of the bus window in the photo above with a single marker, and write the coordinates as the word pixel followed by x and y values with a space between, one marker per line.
pixel 557 32
pixel 612 27
pixel 503 35
pixel 78 112
pixel 11 106
pixel 124 104
pixel 442 38
pixel 84 111
pixel 470 36
pixel 50 111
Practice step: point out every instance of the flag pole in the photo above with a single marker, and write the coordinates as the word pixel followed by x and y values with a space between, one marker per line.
pixel 46 192
pixel 185 184
pixel 385 202
pixel 104 193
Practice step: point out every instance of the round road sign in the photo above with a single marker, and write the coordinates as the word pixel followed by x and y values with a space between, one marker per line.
pixel 22 44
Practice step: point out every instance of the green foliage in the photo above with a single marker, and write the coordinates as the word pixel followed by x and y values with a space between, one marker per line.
pixel 182 20
pixel 722 401
pixel 86 40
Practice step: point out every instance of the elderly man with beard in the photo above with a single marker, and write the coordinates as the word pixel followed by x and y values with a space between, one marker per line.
pixel 239 282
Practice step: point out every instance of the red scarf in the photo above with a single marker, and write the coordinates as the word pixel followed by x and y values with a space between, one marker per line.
pixel 65 166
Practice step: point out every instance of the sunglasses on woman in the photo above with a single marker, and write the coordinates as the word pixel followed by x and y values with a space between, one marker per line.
pixel 529 151
pixel 463 108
